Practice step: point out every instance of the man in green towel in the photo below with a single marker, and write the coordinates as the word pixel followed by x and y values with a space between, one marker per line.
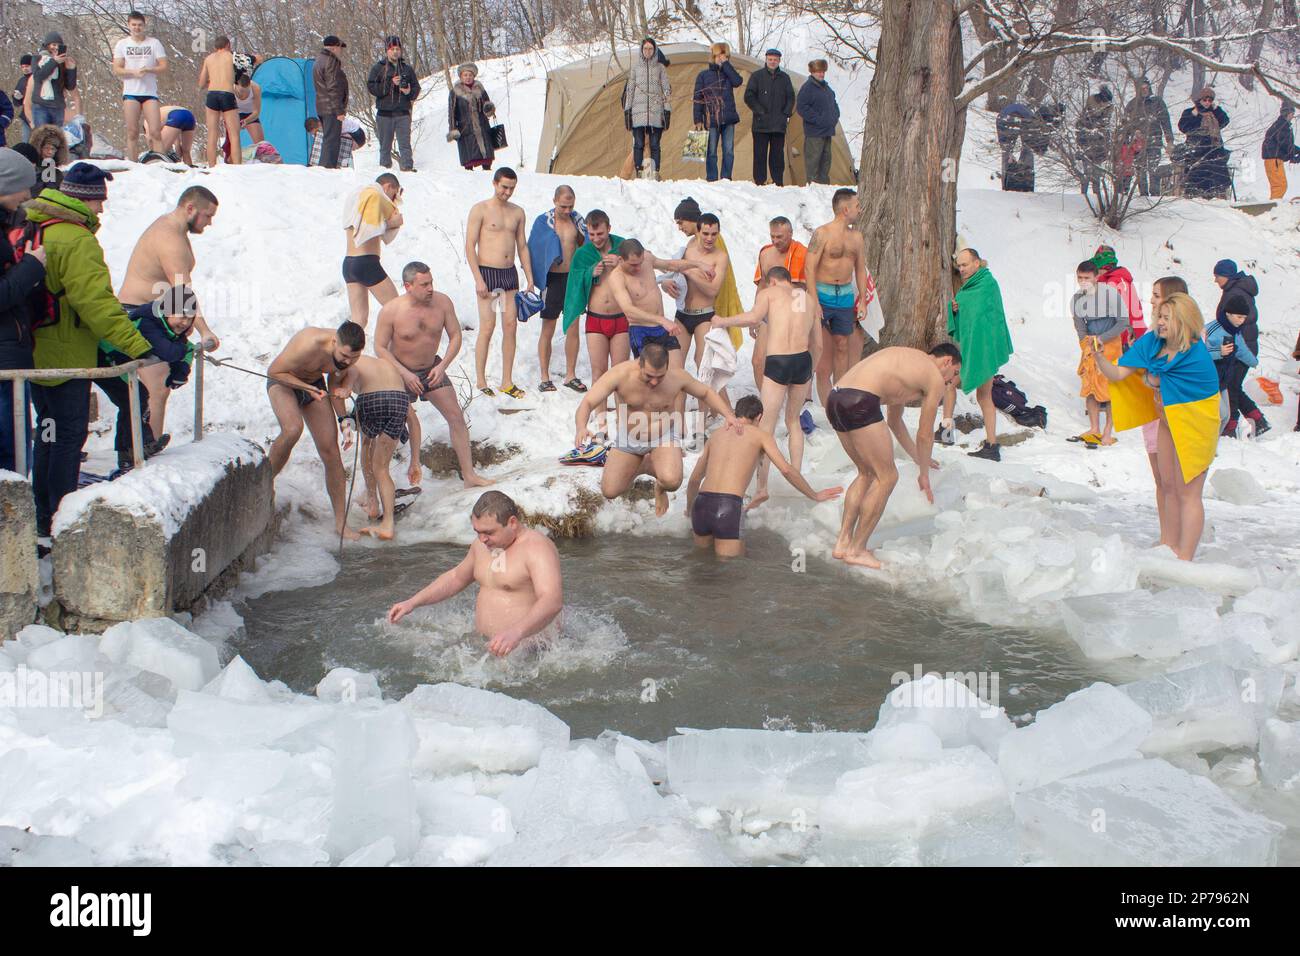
pixel 978 324
pixel 606 327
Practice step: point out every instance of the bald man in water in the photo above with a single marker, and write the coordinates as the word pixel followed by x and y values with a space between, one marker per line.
pixel 520 590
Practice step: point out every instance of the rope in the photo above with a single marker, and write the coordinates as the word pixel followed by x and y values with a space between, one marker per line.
pixel 352 483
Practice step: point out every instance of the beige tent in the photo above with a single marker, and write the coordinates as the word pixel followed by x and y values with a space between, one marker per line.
pixel 583 133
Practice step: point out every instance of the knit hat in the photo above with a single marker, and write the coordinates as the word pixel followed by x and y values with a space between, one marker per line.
pixel 688 210
pixel 1288 109
pixel 84 181
pixel 29 151
pixel 25 60
pixel 1105 258
pixel 333 41
pixel 470 67
pixel 17 174
pixel 52 37
pixel 1237 303
pixel 393 41
pixel 1226 268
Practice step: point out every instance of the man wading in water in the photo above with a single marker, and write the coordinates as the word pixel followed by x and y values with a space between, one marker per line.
pixel 520 592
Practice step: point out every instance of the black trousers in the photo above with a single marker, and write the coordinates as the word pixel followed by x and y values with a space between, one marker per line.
pixel 769 153
pixel 62 420
pixel 331 129
pixel 119 393
pixel 639 135
pixel 1234 382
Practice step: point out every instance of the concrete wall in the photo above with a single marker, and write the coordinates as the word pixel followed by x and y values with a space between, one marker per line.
pixel 119 559
pixel 19 575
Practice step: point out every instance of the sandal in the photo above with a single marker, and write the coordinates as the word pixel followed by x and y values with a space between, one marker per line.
pixel 575 384
pixel 488 392
pixel 547 386
pixel 514 391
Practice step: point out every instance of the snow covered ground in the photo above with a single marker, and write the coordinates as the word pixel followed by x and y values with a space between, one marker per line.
pixel 194 763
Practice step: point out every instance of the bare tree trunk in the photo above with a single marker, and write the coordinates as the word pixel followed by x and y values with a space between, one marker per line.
pixel 1266 10
pixel 910 155
pixel 1197 28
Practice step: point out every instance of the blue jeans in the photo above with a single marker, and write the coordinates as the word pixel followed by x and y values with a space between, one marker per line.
pixel 47 115
pixel 727 134
pixel 14 356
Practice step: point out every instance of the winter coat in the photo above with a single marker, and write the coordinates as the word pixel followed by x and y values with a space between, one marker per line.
pixel 77 275
pixel 469 122
pixel 51 81
pixel 647 95
pixel 1122 280
pixel 818 109
pixel 1248 287
pixel 714 102
pixel 1200 133
pixel 389 99
pixel 1279 141
pixel 1148 117
pixel 1092 131
pixel 20 90
pixel 18 282
pixel 1216 333
pixel 176 350
pixel 331 84
pixel 770 97
pixel 6 114
pixel 43 135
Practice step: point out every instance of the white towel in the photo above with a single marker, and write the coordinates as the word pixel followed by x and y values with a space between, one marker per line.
pixel 718 364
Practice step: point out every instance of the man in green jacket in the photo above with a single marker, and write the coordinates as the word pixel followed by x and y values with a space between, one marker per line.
pixel 86 313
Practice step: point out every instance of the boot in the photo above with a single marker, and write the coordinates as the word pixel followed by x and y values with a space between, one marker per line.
pixel 988 452
pixel 1261 423
pixel 1230 429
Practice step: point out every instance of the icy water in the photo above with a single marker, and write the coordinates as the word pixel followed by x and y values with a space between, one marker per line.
pixel 659 637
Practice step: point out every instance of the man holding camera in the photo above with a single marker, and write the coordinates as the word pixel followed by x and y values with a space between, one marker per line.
pixel 394 85
pixel 55 73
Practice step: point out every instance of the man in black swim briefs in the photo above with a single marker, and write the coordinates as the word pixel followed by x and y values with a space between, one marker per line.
pixel 714 495
pixel 893 377
pixel 363 273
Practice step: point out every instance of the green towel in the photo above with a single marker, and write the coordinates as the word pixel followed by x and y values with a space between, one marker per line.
pixel 979 327
pixel 578 291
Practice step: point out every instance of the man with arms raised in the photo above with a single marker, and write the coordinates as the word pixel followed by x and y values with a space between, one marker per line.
pixel 370 217
pixel 297 391
pixel 893 377
pixel 724 469
pixel 794 348
pixel 649 425
pixel 494 236
pixel 164 259
pixel 836 267
pixel 639 299
pixel 520 591
pixel 408 333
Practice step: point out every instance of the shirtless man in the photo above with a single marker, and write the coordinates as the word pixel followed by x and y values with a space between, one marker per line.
pixel 702 286
pixel 639 300
pixel 520 591
pixel 217 76
pixel 557 234
pixel 893 377
pixel 648 439
pixel 363 273
pixel 407 334
pixel 605 325
pixel 162 259
pixel 725 468
pixel 380 411
pixel 782 251
pixel 836 267
pixel 297 391
pixel 494 236
pixel 795 348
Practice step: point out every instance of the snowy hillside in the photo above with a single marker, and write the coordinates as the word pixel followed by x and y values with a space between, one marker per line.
pixel 201 768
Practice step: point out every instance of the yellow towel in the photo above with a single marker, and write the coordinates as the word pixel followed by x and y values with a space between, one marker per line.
pixel 728 300
pixel 367 213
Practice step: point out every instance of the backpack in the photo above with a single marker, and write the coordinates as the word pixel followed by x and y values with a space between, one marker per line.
pixel 1011 399
pixel 44 304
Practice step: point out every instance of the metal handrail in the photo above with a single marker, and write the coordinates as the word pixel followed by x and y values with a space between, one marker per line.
pixel 19 376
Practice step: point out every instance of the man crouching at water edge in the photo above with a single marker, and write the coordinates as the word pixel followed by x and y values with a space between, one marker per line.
pixel 893 377
pixel 725 468
pixel 649 424
pixel 517 569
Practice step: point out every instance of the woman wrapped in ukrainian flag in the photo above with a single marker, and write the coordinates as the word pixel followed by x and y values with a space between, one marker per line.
pixel 1179 390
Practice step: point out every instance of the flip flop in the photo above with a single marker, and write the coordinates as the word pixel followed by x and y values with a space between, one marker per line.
pixel 576 385
pixel 407 492
pixel 398 510
pixel 514 391
pixel 488 392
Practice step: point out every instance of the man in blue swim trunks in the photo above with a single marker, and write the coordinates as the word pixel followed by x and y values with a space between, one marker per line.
pixel 836 266
pixel 178 129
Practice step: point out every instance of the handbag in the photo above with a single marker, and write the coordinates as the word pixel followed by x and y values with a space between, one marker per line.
pixel 498 134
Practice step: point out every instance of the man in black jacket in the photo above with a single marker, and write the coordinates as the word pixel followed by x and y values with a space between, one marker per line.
pixel 1147 117
pixel 19 281
pixel 19 94
pixel 395 87
pixel 1279 149
pixel 331 98
pixel 770 97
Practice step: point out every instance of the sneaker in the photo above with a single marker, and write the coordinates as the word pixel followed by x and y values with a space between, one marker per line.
pixel 945 436
pixel 1261 425
pixel 806 422
pixel 157 445
pixel 988 452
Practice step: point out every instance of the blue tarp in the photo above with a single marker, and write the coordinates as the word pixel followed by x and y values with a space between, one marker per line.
pixel 288 98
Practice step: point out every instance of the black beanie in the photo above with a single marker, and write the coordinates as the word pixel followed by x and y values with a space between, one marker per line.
pixel 1237 303
pixel 688 210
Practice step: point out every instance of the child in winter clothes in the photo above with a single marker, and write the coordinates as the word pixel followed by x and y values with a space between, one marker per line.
pixel 1233 342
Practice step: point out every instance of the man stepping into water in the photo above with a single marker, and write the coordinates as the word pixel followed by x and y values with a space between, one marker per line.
pixel 494 236
pixel 164 259
pixel 297 391
pixel 794 347
pixel 836 267
pixel 520 591
pixel 648 439
pixel 723 472
pixel 556 235
pixel 893 377
pixel 380 411
pixel 408 334
pixel 370 218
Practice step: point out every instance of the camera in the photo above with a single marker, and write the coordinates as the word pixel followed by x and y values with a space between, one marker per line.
pixel 62 48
